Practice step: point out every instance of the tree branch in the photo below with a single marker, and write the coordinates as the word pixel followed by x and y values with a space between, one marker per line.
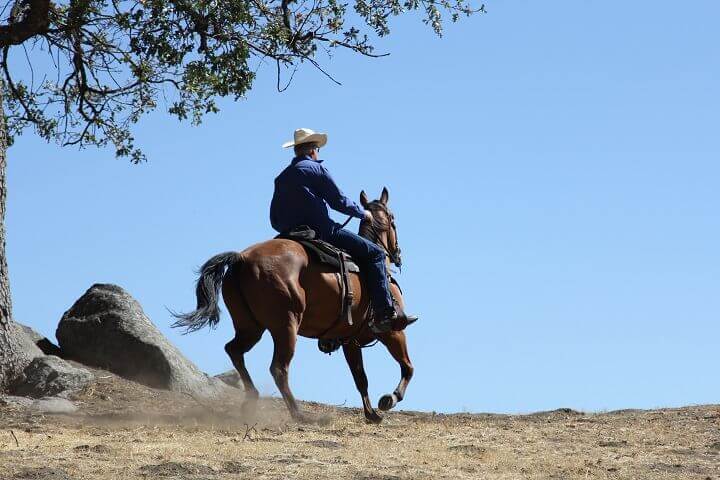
pixel 34 22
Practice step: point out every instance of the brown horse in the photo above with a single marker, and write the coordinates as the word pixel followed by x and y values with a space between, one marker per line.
pixel 275 286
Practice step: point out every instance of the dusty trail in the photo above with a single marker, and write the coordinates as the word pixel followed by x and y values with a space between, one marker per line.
pixel 128 431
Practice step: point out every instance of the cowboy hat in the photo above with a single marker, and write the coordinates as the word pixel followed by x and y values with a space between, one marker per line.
pixel 305 135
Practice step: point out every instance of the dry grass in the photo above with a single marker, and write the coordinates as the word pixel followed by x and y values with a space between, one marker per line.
pixel 128 431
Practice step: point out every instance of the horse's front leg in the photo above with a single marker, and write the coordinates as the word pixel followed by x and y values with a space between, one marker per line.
pixel 353 355
pixel 397 346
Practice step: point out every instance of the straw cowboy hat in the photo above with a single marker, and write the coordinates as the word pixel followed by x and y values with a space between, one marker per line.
pixel 305 135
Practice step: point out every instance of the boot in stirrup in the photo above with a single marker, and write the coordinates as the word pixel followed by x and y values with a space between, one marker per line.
pixel 402 319
pixel 394 318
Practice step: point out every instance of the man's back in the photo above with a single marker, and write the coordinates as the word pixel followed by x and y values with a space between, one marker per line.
pixel 295 203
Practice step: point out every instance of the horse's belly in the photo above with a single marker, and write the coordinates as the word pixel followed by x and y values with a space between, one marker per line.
pixel 321 318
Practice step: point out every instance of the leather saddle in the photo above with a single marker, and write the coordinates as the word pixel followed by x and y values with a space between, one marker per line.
pixel 333 257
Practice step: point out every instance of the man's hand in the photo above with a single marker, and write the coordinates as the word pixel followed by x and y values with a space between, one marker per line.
pixel 368 216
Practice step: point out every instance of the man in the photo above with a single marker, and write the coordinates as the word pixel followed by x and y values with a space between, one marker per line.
pixel 302 193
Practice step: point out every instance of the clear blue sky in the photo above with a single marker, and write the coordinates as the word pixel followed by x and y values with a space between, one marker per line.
pixel 554 168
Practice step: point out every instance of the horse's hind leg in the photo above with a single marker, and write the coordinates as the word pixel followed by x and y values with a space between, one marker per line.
pixel 247 333
pixel 236 349
pixel 285 338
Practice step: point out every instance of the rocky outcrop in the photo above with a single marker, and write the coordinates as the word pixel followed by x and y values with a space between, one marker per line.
pixel 43 343
pixel 107 328
pixel 51 377
pixel 231 377
pixel 41 405
pixel 27 343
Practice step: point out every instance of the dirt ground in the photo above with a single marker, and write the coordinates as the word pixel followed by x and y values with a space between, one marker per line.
pixel 126 431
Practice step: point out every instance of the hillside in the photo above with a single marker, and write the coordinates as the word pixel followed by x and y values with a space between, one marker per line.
pixel 125 430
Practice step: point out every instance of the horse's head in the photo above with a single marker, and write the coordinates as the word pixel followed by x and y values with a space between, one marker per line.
pixel 382 230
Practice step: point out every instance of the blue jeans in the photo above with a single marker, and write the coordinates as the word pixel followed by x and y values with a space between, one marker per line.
pixel 371 260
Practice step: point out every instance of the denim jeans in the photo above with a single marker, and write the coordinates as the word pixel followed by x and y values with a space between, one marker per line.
pixel 371 260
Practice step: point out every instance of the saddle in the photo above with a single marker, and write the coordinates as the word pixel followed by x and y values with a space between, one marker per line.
pixel 335 258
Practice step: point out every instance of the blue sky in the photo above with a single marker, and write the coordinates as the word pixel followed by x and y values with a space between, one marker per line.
pixel 554 170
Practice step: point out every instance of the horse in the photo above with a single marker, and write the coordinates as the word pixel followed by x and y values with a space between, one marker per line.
pixel 276 286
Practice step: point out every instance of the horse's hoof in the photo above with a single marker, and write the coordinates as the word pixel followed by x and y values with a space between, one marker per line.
pixel 373 417
pixel 387 402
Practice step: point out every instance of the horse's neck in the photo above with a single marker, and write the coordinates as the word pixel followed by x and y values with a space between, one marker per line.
pixel 382 239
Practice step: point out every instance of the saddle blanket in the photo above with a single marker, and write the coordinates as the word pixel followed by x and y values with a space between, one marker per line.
pixel 321 251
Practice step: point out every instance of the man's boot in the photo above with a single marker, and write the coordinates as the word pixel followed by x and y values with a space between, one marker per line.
pixel 401 318
pixel 394 318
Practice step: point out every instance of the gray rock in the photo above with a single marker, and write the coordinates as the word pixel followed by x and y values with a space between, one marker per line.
pixel 14 401
pixel 107 328
pixel 53 405
pixel 27 343
pixel 49 377
pixel 42 405
pixel 231 377
pixel 43 343
pixel 30 333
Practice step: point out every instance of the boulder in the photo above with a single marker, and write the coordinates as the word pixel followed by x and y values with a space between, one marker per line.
pixel 53 405
pixel 107 328
pixel 50 377
pixel 41 405
pixel 43 343
pixel 27 343
pixel 231 377
pixel 14 401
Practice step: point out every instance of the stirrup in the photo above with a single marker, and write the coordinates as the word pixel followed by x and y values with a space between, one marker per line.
pixel 383 326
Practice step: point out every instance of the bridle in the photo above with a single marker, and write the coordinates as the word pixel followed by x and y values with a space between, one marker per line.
pixel 375 235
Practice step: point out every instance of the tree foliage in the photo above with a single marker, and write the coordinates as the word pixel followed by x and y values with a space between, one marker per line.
pixel 110 61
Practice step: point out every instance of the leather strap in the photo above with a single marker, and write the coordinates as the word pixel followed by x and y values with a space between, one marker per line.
pixel 346 295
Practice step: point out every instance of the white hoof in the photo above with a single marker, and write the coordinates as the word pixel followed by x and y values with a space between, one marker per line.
pixel 387 402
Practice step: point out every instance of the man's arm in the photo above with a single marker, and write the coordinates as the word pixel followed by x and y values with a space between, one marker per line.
pixel 324 186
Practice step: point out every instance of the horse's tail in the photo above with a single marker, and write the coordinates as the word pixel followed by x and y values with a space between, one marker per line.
pixel 207 291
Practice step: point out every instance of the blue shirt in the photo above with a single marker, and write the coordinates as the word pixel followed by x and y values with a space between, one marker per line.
pixel 302 193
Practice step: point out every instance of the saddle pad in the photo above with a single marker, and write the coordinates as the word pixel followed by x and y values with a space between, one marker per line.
pixel 323 252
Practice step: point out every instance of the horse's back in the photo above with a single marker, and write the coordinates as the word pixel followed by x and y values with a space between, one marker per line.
pixel 278 277
pixel 275 254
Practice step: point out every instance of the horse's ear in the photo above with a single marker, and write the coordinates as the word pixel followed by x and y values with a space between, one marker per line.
pixel 363 199
pixel 384 196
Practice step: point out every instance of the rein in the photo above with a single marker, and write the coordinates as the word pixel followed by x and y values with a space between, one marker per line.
pixel 376 234
pixel 346 222
pixel 378 239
